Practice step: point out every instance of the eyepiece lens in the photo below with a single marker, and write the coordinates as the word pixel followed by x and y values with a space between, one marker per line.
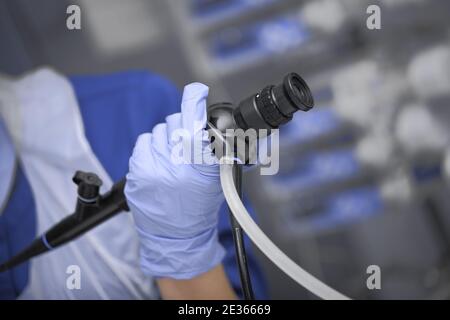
pixel 274 105
pixel 299 92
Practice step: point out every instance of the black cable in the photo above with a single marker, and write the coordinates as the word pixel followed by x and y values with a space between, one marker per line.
pixel 238 237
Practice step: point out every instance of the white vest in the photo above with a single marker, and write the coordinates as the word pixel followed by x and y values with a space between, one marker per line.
pixel 43 119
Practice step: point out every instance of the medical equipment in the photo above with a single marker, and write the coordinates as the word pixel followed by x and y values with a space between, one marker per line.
pixel 91 210
pixel 268 109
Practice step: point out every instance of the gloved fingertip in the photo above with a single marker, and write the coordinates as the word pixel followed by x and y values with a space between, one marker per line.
pixel 195 91
pixel 141 148
pixel 173 122
pixel 143 141
pixel 193 107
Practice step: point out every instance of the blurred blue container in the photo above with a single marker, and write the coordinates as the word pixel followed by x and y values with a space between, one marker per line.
pixel 216 10
pixel 318 169
pixel 309 126
pixel 252 42
pixel 340 209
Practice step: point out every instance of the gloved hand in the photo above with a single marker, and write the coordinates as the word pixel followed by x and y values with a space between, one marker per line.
pixel 175 206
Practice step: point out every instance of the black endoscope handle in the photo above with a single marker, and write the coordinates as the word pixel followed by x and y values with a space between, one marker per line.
pixel 88 215
pixel 91 211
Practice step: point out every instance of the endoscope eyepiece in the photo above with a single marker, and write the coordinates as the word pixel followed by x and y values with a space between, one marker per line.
pixel 274 105
pixel 298 91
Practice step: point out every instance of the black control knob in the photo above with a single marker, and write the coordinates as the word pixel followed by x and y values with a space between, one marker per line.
pixel 88 185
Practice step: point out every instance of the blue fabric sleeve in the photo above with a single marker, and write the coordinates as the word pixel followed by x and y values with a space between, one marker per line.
pixel 17 230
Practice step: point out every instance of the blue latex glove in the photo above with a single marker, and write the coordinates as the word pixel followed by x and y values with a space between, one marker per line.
pixel 175 206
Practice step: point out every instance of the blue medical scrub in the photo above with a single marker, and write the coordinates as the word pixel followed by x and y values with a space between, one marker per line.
pixel 116 109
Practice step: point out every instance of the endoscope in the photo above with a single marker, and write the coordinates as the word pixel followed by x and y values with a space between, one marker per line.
pixel 268 109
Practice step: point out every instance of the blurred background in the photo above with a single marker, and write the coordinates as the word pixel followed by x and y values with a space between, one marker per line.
pixel 364 177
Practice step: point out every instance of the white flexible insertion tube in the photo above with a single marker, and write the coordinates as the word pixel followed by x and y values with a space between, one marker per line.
pixel 278 257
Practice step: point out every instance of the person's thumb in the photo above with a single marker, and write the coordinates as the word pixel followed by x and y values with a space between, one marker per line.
pixel 193 108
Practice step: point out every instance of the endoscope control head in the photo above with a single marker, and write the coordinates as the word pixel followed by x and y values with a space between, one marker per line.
pixel 268 109
pixel 264 111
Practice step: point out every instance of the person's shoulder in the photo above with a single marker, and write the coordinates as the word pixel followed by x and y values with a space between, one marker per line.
pixel 123 81
pixel 117 107
pixel 137 92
